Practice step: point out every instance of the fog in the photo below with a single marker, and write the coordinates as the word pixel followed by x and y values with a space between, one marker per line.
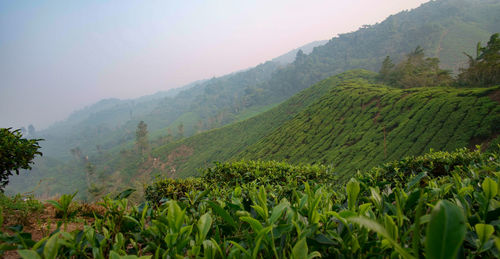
pixel 58 56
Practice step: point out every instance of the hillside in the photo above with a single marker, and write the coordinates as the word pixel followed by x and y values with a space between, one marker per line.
pixel 444 28
pixel 222 144
pixel 346 128
pixel 340 122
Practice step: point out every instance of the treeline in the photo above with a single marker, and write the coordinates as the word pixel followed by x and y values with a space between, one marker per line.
pixel 420 71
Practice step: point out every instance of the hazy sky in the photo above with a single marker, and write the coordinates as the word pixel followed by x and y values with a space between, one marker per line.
pixel 58 56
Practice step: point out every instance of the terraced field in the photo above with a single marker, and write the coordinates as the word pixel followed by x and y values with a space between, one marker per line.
pixel 358 125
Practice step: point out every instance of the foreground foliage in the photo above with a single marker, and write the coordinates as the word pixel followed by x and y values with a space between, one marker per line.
pixel 439 206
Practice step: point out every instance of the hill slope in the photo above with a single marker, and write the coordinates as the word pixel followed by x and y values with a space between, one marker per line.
pixel 346 128
pixel 222 144
pixel 340 121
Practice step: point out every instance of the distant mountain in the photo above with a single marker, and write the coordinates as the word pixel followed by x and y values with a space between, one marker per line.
pixel 290 56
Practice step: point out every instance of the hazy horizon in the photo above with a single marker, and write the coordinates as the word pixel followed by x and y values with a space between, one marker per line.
pixel 57 57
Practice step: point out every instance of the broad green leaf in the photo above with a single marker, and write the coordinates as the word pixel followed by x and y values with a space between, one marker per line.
pixel 223 213
pixel 278 211
pixel 240 248
pixel 300 249
pixel 125 194
pixel 376 198
pixel 255 224
pixel 484 232
pixel 445 231
pixel 55 204
pixel 352 189
pixel 416 180
pixel 51 247
pixel 260 236
pixel 376 227
pixel 204 224
pixel 28 254
pixel 175 216
pixel 489 188
pixel 391 227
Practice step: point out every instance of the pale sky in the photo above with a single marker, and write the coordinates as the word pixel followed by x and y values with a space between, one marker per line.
pixel 59 56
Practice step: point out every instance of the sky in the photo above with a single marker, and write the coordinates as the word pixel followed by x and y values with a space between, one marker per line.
pixel 60 56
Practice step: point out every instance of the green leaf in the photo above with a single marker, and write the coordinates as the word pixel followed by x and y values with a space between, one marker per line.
pixel 175 216
pixel 125 194
pixel 241 248
pixel 278 211
pixel 28 254
pixel 391 227
pixel 352 189
pixel 445 231
pixel 497 242
pixel 300 249
pixel 223 213
pixel 484 232
pixel 255 224
pixel 114 255
pixel 490 188
pixel 416 180
pixel 51 247
pixel 376 227
pixel 204 224
pixel 55 204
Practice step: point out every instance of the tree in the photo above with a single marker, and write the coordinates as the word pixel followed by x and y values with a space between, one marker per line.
pixel 386 71
pixel 141 137
pixel 180 130
pixel 16 153
pixel 31 130
pixel 415 71
pixel 484 70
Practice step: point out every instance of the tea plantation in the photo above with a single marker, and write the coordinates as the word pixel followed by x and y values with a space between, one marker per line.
pixel 439 205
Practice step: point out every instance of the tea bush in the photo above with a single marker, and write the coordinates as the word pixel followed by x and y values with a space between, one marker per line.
pixel 280 177
pixel 399 210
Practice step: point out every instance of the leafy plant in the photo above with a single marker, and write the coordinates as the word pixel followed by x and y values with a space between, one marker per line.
pixel 63 205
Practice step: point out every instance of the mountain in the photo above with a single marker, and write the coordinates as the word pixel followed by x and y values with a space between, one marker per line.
pixel 289 57
pixel 342 121
pixel 444 28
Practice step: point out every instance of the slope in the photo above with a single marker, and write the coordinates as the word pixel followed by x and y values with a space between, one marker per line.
pixel 183 158
pixel 359 125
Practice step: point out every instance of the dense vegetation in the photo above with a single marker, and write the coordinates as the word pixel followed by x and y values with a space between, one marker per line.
pixel 358 125
pixel 440 205
pixel 415 71
pixel 443 28
pixel 484 70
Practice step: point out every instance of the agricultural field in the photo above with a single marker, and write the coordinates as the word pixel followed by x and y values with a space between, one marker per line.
pixel 439 205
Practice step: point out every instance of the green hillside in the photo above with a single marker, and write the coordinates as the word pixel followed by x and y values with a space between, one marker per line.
pixel 340 122
pixel 346 127
pixel 222 144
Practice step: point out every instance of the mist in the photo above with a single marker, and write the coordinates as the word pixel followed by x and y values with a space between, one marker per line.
pixel 59 56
